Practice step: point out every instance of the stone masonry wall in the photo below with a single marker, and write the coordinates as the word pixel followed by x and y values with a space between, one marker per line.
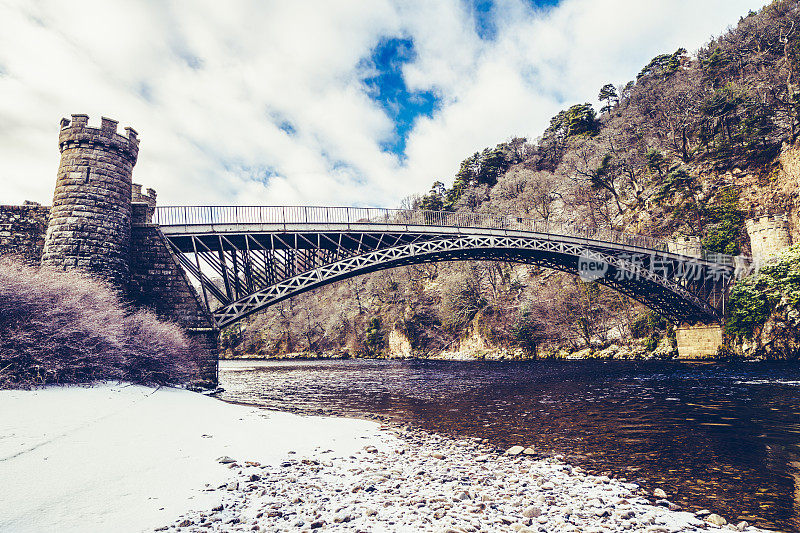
pixel 22 229
pixel 90 221
pixel 768 236
pixel 159 283
pixel 698 342
pixel 689 246
pixel 157 280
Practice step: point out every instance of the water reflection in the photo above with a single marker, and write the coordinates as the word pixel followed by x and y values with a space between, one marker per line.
pixel 721 436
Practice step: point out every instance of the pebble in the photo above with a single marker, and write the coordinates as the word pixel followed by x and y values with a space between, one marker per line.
pixel 394 485
pixel 515 450
pixel 531 512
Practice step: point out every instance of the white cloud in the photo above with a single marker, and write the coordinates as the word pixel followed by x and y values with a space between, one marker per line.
pixel 209 84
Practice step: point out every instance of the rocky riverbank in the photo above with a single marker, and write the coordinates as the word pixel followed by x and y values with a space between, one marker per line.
pixel 411 480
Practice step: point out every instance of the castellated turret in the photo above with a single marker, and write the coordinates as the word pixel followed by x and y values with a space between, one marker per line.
pixel 143 205
pixel 687 245
pixel 90 220
pixel 769 235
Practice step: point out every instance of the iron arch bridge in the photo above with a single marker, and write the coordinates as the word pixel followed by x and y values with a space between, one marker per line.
pixel 245 259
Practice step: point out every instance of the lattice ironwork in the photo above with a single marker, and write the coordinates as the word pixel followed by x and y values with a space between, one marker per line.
pixel 224 219
pixel 242 267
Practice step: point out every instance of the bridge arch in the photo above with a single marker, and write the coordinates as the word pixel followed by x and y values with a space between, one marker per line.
pixel 263 256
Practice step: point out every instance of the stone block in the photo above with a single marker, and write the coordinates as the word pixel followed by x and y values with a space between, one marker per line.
pixel 698 341
pixel 769 235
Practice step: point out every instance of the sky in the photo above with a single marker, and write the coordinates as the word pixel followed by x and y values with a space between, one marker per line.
pixel 329 102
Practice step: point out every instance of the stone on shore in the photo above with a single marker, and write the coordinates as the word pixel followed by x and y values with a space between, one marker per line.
pixel 531 512
pixel 438 484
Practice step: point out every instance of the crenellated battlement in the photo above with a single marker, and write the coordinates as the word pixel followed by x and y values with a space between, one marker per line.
pixel 767 222
pixel 137 196
pixel 76 133
pixel 143 205
pixel 688 245
pixel 769 234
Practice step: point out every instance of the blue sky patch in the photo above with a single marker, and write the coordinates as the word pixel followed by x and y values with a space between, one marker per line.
pixel 484 13
pixel 287 127
pixel 259 173
pixel 282 122
pixel 385 85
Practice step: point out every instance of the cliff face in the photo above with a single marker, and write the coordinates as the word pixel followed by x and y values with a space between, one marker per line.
pixel 785 197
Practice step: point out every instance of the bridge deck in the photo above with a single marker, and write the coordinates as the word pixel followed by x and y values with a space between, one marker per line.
pixel 231 220
pixel 247 258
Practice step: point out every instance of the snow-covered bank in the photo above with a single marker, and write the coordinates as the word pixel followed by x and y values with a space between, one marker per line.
pixel 131 458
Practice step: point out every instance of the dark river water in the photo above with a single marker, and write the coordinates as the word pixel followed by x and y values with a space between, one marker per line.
pixel 720 436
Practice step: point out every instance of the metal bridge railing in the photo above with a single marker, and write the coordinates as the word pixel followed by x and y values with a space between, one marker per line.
pixel 285 215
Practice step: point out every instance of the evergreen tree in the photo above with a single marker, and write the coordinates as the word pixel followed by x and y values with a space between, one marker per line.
pixel 579 119
pixel 608 94
pixel 434 200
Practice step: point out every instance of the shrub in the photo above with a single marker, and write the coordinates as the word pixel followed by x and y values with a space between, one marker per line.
pixel 461 300
pixel 766 306
pixel 374 339
pixel 727 223
pixel 528 332
pixel 65 327
pixel 647 324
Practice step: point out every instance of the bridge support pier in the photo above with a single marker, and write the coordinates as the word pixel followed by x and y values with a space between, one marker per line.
pixel 699 341
pixel 159 283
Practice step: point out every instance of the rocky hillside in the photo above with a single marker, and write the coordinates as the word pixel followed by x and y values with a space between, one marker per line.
pixel 695 145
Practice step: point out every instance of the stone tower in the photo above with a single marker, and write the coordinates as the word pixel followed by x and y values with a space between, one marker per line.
pixel 769 235
pixel 90 220
pixel 686 245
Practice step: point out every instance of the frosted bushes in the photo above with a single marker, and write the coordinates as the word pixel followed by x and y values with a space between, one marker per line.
pixel 65 327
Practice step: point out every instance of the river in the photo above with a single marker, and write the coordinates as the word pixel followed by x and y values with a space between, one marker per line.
pixel 720 436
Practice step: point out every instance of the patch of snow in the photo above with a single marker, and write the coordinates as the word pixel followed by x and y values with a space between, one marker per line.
pixel 118 457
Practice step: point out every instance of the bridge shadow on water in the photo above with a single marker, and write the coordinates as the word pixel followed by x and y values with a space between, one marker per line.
pixel 721 436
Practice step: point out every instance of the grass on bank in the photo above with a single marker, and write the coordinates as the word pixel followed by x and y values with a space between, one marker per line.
pixel 65 327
